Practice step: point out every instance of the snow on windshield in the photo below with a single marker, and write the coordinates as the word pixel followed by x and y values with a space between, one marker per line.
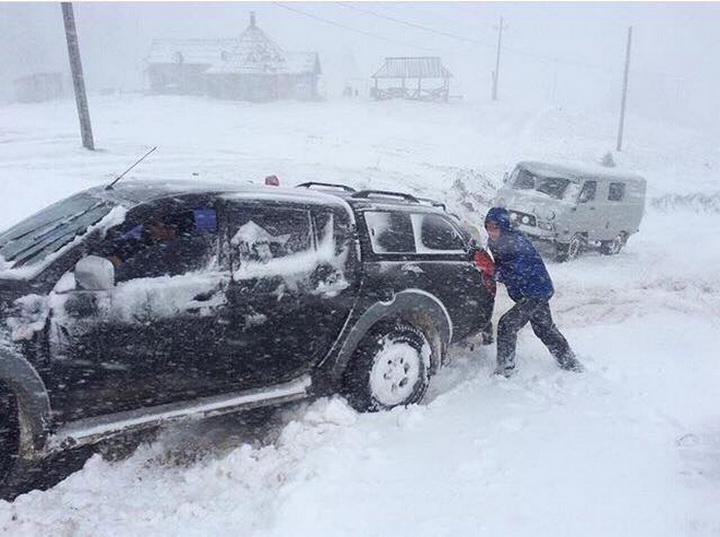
pixel 54 242
pixel 553 187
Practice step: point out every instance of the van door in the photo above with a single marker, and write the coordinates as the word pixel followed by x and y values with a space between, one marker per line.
pixel 617 220
pixel 586 213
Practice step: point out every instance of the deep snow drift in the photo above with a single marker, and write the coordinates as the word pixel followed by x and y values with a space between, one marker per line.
pixel 631 447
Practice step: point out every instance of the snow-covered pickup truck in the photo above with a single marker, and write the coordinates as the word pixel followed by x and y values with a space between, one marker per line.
pixel 126 307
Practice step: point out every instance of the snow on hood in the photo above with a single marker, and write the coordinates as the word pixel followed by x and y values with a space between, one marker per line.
pixel 537 203
pixel 115 217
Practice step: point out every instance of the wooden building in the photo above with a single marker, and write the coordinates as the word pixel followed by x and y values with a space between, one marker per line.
pixel 249 68
pixel 38 87
pixel 416 78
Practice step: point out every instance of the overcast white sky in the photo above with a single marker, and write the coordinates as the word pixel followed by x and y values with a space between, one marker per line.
pixel 675 69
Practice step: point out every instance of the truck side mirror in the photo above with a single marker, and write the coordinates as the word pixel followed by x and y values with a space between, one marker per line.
pixel 94 273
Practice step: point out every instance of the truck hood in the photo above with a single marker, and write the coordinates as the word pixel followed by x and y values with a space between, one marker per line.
pixel 531 202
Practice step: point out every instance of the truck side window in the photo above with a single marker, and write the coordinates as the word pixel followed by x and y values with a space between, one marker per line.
pixel 616 192
pixel 588 192
pixel 259 235
pixel 436 234
pixel 169 243
pixel 390 233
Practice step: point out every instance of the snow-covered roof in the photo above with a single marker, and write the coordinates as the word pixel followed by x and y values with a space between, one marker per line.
pixel 415 67
pixel 195 51
pixel 252 53
pixel 575 170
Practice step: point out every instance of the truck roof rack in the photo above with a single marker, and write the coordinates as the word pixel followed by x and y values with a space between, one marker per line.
pixel 311 184
pixel 385 193
pixel 434 203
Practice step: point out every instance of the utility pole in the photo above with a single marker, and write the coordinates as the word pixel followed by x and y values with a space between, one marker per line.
pixel 624 92
pixel 496 72
pixel 77 75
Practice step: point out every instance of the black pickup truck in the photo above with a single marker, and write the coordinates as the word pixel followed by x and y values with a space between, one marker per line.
pixel 126 307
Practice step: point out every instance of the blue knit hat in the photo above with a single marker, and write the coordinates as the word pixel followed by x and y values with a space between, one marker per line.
pixel 499 216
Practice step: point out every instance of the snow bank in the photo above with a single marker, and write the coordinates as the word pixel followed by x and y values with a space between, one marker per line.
pixel 629 448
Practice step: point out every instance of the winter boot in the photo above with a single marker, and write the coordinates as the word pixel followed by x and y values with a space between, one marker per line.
pixel 506 370
pixel 568 362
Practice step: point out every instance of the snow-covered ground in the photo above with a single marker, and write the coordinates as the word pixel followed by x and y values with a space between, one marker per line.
pixel 630 447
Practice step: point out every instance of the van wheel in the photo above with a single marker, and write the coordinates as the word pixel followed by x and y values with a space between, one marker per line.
pixel 614 246
pixel 571 250
pixel 9 432
pixel 389 368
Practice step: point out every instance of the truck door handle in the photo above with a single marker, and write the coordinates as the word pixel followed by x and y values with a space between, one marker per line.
pixel 204 297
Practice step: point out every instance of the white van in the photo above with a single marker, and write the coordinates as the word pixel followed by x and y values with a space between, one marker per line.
pixel 574 207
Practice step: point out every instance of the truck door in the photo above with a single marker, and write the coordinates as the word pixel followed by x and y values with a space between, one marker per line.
pixel 287 294
pixel 148 339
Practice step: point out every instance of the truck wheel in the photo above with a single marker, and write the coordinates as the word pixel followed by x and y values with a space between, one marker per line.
pixel 571 250
pixel 9 432
pixel 389 368
pixel 614 246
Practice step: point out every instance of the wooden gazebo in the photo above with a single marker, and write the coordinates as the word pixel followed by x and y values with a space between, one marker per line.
pixel 404 77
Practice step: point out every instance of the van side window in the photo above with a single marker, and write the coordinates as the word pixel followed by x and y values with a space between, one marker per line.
pixel 616 192
pixel 390 233
pixel 588 192
pixel 434 233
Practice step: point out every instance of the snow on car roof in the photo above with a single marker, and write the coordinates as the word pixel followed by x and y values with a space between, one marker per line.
pixel 575 171
pixel 133 192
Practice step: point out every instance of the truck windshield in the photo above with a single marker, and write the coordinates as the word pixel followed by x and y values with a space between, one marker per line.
pixel 43 233
pixel 552 186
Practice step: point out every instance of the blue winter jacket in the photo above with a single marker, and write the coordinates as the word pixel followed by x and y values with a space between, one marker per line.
pixel 517 263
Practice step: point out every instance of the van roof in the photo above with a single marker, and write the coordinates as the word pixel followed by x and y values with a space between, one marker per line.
pixel 577 171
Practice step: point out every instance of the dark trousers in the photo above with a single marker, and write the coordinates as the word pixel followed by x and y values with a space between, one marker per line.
pixel 537 311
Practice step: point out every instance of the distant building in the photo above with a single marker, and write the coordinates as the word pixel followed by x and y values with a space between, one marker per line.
pixel 39 87
pixel 403 78
pixel 250 68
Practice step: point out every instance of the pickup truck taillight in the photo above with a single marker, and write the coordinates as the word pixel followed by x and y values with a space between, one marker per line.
pixel 486 266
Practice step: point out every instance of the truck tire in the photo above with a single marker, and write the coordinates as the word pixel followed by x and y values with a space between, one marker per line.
pixel 614 246
pixel 389 368
pixel 9 432
pixel 571 250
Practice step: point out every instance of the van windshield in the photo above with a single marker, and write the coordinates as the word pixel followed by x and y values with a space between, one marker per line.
pixel 31 240
pixel 554 187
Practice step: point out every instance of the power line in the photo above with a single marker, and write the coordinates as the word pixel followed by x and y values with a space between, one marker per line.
pixel 363 32
pixel 519 52
pixel 415 25
pixel 471 40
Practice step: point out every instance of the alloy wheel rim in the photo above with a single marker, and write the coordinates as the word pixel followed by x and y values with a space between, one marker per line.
pixel 394 374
